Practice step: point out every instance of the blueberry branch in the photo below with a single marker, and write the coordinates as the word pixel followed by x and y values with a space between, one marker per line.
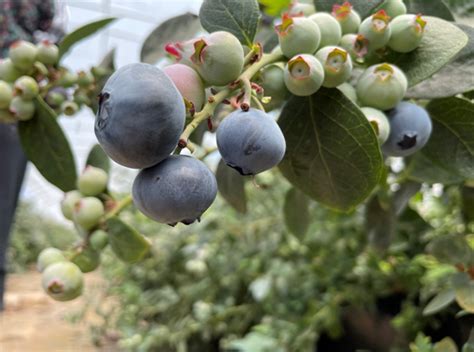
pixel 215 100
pixel 120 205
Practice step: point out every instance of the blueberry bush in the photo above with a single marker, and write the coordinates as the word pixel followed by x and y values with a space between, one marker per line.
pixel 365 108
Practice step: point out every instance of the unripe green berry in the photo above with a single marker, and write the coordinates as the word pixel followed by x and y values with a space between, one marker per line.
pixel 218 58
pixel 356 45
pixel 273 84
pixel 26 87
pixel 84 79
pixel 348 19
pixel 69 201
pixel 381 86
pixel 376 30
pixel 298 35
pixel 337 65
pixel 67 79
pixel 92 181
pixel 56 97
pixel 22 109
pixel 8 72
pixel 349 91
pixel 87 212
pixel 81 98
pixel 87 259
pixel 301 9
pixel 407 32
pixel 394 8
pixel 49 256
pixel 188 82
pixel 40 69
pixel 62 281
pixel 48 53
pixel 6 95
pixel 7 117
pixel 23 54
pixel 69 108
pixel 379 122
pixel 99 239
pixel 329 27
pixel 304 75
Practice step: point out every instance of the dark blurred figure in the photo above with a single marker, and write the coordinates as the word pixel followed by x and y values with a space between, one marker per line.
pixel 19 19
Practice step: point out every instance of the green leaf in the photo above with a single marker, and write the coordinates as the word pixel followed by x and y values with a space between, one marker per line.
pixel 239 17
pixel 98 158
pixel 175 29
pixel 451 145
pixel 296 212
pixel 274 7
pixel 81 33
pixel 467 195
pixel 380 223
pixel 332 152
pixel 452 79
pixel 450 249
pixel 435 8
pixel 231 186
pixel 465 296
pixel 422 169
pixel 46 146
pixel 127 244
pixel 441 42
pixel 363 7
pixel 445 345
pixel 440 301
pixel 401 198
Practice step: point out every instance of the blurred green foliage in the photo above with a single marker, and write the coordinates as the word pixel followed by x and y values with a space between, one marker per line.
pixel 244 283
pixel 31 233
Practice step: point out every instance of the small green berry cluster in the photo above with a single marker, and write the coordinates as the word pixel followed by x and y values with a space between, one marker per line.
pixel 323 50
pixel 86 207
pixel 32 70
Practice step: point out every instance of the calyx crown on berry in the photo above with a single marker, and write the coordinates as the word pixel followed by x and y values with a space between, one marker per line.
pixel 420 23
pixel 380 20
pixel 384 71
pixel 342 11
pixel 283 28
pixel 333 61
pixel 299 68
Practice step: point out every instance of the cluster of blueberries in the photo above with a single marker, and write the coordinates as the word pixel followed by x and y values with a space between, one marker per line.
pixel 142 109
pixel 31 70
pixel 62 277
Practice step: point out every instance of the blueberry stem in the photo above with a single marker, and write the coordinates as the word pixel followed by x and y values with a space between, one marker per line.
pixel 211 105
pixel 125 202
pixel 258 103
pixel 247 87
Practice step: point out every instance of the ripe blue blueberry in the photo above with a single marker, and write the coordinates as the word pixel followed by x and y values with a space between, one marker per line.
pixel 141 116
pixel 250 142
pixel 179 189
pixel 410 129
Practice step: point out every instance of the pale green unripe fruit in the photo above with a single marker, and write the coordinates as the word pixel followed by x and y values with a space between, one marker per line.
pixel 49 256
pixel 92 181
pixel 376 30
pixel 81 98
pixel 26 87
pixel 301 9
pixel 381 86
pixel 84 79
pixel 99 239
pixel 7 117
pixel 22 109
pixel 303 75
pixel 337 64
pixel 394 8
pixel 62 281
pixel 273 84
pixel 349 91
pixel 68 79
pixel 379 122
pixel 356 45
pixel 218 58
pixel 8 72
pixel 407 32
pixel 48 53
pixel 69 108
pixel 188 82
pixel 6 95
pixel 329 27
pixel 87 212
pixel 348 19
pixel 23 55
pixel 69 201
pixel 298 35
